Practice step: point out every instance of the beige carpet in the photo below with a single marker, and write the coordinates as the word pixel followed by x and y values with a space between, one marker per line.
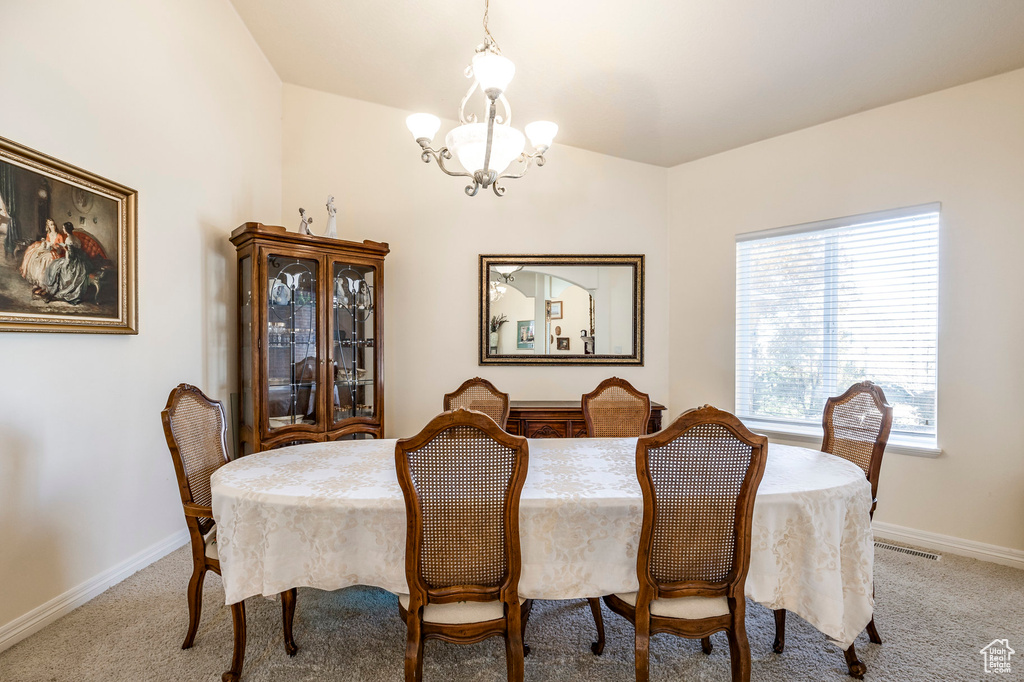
pixel 933 616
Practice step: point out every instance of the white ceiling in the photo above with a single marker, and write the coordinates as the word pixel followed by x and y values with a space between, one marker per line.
pixel 658 81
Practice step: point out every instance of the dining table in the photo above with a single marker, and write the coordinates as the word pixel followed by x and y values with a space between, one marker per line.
pixel 331 515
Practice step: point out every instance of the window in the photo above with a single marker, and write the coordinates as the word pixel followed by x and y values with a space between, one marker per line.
pixel 824 305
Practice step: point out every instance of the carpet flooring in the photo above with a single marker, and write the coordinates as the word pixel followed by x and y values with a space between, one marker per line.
pixel 934 618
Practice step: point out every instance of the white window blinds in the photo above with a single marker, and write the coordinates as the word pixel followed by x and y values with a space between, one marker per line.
pixel 824 305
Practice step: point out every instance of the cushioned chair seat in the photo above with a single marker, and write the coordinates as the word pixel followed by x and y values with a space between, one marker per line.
pixel 210 540
pixel 460 612
pixel 691 608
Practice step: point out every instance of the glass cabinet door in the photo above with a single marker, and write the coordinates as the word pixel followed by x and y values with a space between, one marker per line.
pixel 292 363
pixel 353 316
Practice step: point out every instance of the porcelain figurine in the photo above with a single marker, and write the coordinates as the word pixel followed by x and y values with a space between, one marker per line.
pixel 306 222
pixel 332 221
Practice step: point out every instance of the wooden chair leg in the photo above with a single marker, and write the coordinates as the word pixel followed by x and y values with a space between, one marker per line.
pixel 705 645
pixel 595 608
pixel 195 604
pixel 643 652
pixel 238 655
pixel 780 631
pixel 873 633
pixel 287 617
pixel 739 653
pixel 414 651
pixel 853 664
pixel 526 608
pixel 514 654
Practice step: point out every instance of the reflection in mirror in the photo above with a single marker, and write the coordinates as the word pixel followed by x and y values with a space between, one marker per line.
pixel 561 309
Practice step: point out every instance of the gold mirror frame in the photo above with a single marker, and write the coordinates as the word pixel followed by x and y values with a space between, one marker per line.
pixel 634 261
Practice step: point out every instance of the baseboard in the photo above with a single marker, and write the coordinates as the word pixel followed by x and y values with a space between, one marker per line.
pixel 41 616
pixel 946 543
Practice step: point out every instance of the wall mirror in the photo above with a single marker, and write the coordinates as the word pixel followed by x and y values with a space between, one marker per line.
pixel 561 310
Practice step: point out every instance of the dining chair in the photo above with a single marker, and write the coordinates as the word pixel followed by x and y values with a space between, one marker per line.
pixel 480 395
pixel 462 477
pixel 699 478
pixel 613 410
pixel 856 426
pixel 616 410
pixel 196 431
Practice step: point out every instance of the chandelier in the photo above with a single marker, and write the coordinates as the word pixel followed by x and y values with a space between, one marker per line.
pixel 508 271
pixel 485 150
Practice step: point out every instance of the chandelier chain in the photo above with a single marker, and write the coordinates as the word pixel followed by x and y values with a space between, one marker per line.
pixel 488 38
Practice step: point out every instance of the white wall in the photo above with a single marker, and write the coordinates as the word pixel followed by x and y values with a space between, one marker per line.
pixel 963 147
pixel 580 202
pixel 175 100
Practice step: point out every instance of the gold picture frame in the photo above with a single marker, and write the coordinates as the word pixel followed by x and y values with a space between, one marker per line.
pixel 70 251
pixel 513 265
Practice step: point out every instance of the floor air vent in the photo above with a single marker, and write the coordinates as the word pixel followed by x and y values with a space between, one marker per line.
pixel 905 550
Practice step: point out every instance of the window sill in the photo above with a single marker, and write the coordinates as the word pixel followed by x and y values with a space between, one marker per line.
pixel 921 447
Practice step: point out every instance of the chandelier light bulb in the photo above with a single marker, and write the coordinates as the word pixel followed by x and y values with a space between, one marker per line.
pixel 493 72
pixel 541 133
pixel 423 126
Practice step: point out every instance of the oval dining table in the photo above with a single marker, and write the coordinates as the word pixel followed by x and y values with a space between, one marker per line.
pixel 331 515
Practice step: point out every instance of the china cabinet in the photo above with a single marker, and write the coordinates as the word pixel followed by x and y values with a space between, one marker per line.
pixel 311 362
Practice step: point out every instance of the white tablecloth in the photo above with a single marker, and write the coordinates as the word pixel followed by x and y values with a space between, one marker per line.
pixel 330 515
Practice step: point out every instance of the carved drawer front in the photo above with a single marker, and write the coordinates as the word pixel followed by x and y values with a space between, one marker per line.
pixel 578 429
pixel 545 429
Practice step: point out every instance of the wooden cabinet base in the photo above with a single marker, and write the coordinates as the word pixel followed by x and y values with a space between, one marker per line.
pixel 559 419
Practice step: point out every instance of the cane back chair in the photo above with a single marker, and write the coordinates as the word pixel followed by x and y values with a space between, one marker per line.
pixel 196 431
pixel 480 395
pixel 616 410
pixel 613 410
pixel 856 426
pixel 462 477
pixel 699 478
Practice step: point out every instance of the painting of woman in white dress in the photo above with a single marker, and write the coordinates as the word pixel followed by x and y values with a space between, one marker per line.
pixel 68 237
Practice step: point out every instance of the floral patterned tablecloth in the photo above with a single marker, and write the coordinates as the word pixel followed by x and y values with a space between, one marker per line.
pixel 330 515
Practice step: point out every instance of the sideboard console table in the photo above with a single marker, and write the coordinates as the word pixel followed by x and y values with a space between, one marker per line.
pixel 559 418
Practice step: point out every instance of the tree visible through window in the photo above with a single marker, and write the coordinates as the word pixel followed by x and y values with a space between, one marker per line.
pixel 822 306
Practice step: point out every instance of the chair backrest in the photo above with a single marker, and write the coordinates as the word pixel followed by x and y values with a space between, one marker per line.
pixel 857 425
pixel 480 395
pixel 616 409
pixel 699 477
pixel 196 431
pixel 462 477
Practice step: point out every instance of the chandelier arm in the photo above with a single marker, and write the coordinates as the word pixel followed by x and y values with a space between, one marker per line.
pixel 463 116
pixel 439 155
pixel 525 158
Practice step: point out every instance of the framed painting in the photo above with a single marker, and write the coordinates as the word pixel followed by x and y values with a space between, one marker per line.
pixel 554 310
pixel 69 247
pixel 524 339
pixel 563 343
